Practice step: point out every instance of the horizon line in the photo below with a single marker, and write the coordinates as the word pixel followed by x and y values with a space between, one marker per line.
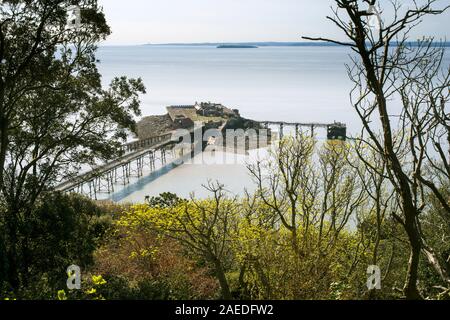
pixel 257 43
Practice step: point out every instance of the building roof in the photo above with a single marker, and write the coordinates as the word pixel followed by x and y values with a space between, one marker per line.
pixel 185 111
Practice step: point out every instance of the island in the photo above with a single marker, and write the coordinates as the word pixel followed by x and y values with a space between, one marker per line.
pixel 211 115
pixel 236 46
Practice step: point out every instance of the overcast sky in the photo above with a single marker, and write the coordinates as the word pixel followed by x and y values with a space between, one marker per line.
pixel 174 21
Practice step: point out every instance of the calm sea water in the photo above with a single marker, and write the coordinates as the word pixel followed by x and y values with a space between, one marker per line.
pixel 301 84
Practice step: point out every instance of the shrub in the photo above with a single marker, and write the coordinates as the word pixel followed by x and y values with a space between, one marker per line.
pixel 142 265
pixel 60 231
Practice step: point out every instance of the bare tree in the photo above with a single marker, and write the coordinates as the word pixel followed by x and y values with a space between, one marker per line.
pixel 204 227
pixel 381 201
pixel 387 66
pixel 286 182
pixel 313 193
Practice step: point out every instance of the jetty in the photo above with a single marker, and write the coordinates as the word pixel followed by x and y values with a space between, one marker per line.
pixel 150 148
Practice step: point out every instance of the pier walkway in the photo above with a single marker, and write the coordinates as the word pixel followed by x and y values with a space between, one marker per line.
pixel 136 155
pixel 140 153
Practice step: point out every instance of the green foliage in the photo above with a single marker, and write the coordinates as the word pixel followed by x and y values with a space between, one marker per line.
pixel 55 117
pixel 202 226
pixel 320 215
pixel 165 200
pixel 70 227
pixel 260 261
pixel 140 264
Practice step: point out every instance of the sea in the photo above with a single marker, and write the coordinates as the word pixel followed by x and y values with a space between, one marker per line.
pixel 296 84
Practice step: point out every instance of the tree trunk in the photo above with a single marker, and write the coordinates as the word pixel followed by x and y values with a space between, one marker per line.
pixel 11 251
pixel 265 282
pixel 436 264
pixel 4 143
pixel 410 289
pixel 395 167
pixel 225 288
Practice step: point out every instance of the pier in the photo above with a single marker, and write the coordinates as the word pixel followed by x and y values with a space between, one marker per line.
pixel 150 152
pixel 335 131
pixel 136 156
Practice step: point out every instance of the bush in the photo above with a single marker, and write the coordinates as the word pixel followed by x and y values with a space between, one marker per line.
pixel 60 231
pixel 141 265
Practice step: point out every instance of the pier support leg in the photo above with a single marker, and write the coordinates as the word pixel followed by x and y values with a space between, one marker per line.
pixel 152 160
pixel 124 175
pixel 163 156
pixel 111 177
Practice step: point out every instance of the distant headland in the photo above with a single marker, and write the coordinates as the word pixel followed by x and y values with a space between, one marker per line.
pixel 275 44
pixel 247 44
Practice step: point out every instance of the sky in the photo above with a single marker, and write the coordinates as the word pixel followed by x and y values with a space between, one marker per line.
pixel 178 21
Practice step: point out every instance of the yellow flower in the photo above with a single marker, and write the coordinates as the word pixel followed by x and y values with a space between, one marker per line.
pixel 98 280
pixel 92 291
pixel 62 295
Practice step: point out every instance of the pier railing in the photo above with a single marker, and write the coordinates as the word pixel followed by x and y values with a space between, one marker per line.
pixel 335 131
pixel 103 177
pixel 145 143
